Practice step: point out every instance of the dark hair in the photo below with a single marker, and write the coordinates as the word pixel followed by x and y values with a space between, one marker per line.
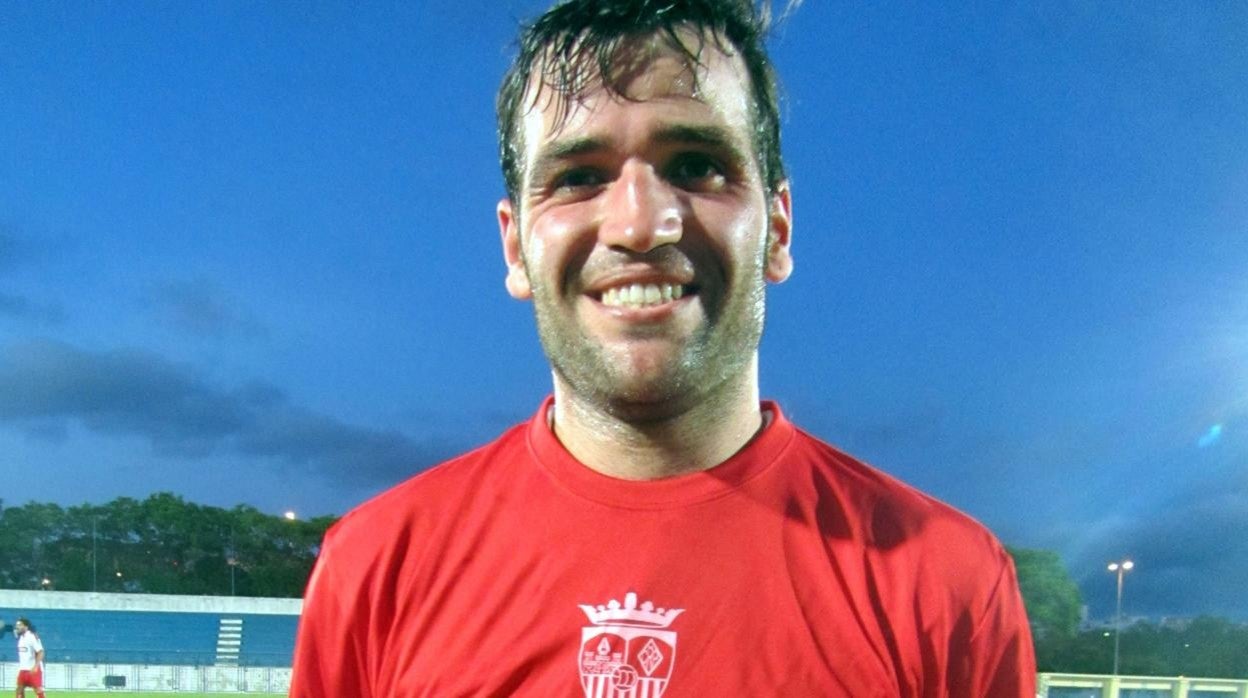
pixel 576 47
pixel 26 622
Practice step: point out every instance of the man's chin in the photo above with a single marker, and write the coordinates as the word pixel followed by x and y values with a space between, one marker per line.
pixel 651 400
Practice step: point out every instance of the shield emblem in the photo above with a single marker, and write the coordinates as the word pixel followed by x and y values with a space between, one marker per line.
pixel 627 652
pixel 624 662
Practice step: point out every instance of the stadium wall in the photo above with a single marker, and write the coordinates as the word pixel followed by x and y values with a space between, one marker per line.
pixel 156 679
pixel 73 620
pixel 95 601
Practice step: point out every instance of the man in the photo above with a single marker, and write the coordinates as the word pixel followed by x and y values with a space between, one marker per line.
pixel 655 529
pixel 29 658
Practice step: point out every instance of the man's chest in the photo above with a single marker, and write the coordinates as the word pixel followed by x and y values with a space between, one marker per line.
pixel 656 607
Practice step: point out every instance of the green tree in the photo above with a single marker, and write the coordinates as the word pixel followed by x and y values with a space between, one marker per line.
pixel 1052 600
pixel 161 545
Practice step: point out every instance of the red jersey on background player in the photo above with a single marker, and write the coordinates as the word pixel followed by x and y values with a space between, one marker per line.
pixel 29 658
pixel 655 530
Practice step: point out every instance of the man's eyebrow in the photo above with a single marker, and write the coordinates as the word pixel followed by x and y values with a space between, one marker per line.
pixel 551 155
pixel 713 136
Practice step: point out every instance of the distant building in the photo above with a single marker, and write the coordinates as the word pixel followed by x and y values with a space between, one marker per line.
pixel 1110 623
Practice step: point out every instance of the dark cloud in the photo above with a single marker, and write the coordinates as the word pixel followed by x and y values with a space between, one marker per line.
pixel 1063 491
pixel 12 250
pixel 1190 552
pixel 201 308
pixel 136 393
pixel 18 249
pixel 15 252
pixel 22 308
pixel 917 428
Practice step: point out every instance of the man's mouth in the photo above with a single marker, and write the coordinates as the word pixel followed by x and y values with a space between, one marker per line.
pixel 642 295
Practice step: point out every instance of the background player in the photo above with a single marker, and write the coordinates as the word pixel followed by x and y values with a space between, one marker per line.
pixel 29 658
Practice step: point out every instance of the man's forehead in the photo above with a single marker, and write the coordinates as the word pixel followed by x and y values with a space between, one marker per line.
pixel 706 78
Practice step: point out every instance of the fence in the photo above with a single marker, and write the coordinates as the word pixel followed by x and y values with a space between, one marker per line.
pixel 237 679
pixel 1092 686
pixel 142 677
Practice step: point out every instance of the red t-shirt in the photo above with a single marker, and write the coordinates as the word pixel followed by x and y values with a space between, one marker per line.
pixel 789 570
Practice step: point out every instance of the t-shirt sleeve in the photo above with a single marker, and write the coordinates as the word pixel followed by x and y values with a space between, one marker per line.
pixel 329 659
pixel 1000 661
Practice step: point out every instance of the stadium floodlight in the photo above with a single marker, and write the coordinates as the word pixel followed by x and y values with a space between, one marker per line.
pixel 1121 568
pixel 290 515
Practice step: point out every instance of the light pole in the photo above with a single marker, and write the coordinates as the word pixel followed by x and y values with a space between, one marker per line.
pixel 94 552
pixel 1121 568
pixel 231 559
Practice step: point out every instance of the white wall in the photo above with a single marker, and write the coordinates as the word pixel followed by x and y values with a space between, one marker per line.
pixel 96 601
pixel 90 677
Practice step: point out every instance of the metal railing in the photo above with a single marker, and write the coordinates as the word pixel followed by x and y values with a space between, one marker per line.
pixel 1096 686
pixel 158 678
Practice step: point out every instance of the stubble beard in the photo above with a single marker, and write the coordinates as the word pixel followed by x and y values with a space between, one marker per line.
pixel 706 370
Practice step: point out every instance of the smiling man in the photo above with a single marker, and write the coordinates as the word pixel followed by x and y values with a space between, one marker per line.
pixel 655 529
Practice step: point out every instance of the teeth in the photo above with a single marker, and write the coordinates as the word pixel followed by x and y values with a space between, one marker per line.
pixel 641 295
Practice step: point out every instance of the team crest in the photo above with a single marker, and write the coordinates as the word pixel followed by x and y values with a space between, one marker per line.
pixel 627 652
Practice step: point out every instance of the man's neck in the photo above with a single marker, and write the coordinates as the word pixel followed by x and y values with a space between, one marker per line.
pixel 696 439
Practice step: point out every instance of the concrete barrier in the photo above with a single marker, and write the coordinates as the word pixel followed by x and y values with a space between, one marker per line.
pixel 1100 686
pixel 143 678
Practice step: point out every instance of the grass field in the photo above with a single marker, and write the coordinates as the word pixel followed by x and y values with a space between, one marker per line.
pixel 99 694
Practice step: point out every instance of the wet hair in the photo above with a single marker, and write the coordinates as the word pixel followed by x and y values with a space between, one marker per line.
pixel 578 46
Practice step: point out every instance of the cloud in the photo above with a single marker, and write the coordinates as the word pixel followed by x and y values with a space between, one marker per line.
pixel 201 308
pixel 15 252
pixel 24 250
pixel 1190 552
pixel 12 250
pixel 917 428
pixel 22 308
pixel 173 407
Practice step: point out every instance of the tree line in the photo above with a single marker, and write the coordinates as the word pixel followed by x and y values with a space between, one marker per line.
pixel 161 545
pixel 166 545
pixel 1207 646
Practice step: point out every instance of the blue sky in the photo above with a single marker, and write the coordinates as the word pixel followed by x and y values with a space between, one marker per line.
pixel 248 254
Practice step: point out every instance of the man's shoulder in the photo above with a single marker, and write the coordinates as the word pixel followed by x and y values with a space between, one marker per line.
pixel 888 509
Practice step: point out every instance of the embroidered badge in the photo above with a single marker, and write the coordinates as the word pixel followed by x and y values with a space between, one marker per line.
pixel 627 652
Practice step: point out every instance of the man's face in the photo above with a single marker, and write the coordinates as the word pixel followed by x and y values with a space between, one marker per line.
pixel 19 628
pixel 644 234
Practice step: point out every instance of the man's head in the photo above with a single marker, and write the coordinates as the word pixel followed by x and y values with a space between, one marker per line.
pixel 643 215
pixel 582 45
pixel 20 626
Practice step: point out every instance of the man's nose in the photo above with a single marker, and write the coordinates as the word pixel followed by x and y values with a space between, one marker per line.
pixel 641 211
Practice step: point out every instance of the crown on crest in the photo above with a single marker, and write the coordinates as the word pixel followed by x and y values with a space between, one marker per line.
pixel 629 613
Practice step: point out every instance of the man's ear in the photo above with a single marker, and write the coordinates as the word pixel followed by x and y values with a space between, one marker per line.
pixel 779 262
pixel 509 228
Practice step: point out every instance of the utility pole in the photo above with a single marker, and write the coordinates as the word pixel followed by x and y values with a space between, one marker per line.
pixel 95 554
pixel 1121 568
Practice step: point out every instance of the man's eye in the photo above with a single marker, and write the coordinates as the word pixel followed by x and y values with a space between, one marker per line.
pixel 695 168
pixel 578 179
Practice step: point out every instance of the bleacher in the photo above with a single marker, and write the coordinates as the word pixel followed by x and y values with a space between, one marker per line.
pixel 114 637
pixel 266 638
pixel 152 630
pixel 153 637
